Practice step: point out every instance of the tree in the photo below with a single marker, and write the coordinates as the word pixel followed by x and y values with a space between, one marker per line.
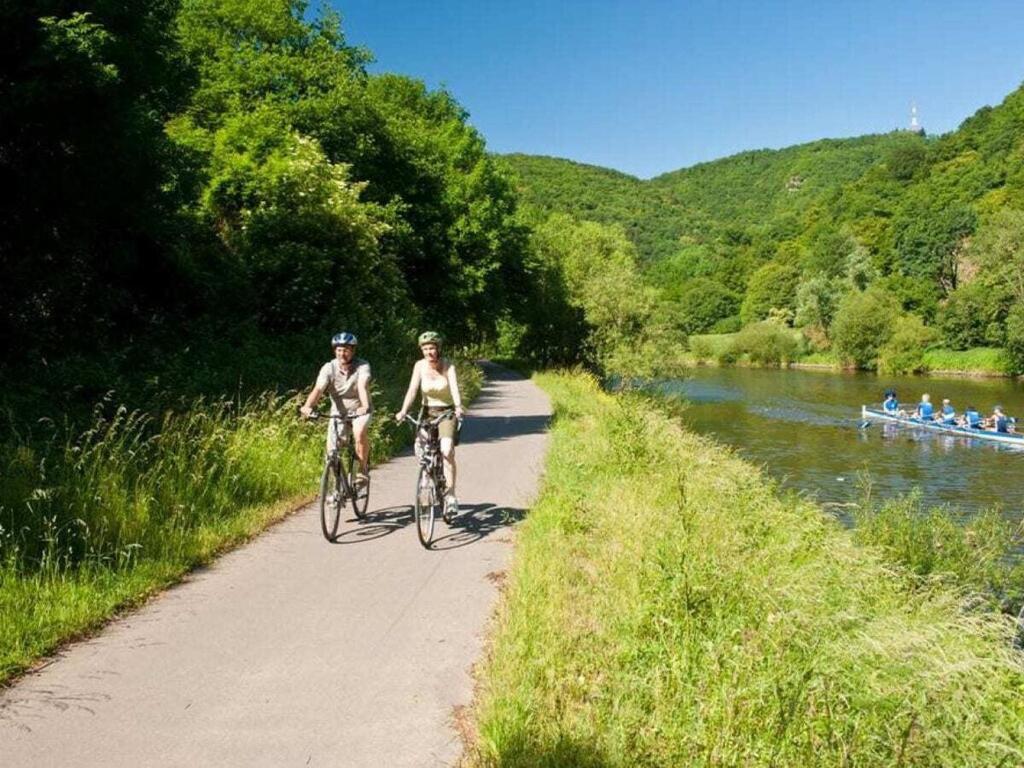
pixel 1015 339
pixel 772 286
pixel 701 303
pixel 904 351
pixel 929 241
pixel 816 301
pixel 998 250
pixel 863 325
pixel 83 95
pixel 974 315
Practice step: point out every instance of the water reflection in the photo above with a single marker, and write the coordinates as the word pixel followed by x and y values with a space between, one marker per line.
pixel 804 427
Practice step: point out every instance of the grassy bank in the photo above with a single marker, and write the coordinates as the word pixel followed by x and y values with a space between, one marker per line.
pixel 668 607
pixel 94 521
pixel 719 349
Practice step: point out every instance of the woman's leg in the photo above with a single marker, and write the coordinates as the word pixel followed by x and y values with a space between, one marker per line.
pixel 448 453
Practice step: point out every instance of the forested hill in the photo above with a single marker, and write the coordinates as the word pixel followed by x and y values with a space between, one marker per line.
pixel 741 191
pixel 927 233
pixel 772 185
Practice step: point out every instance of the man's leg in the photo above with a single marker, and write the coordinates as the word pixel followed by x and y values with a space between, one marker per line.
pixel 361 433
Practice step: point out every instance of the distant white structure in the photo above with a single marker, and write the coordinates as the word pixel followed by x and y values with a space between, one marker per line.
pixel 915 126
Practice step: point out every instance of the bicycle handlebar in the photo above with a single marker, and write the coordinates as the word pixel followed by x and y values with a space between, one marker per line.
pixel 432 422
pixel 337 417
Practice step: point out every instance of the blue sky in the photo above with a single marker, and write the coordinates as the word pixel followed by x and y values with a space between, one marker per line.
pixel 647 87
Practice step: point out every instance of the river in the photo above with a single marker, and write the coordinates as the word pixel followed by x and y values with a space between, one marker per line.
pixel 804 428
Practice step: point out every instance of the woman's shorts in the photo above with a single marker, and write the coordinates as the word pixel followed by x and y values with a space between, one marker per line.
pixel 447 426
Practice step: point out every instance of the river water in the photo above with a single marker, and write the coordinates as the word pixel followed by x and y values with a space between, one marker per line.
pixel 804 428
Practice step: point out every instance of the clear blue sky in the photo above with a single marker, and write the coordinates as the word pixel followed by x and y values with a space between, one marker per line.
pixel 647 87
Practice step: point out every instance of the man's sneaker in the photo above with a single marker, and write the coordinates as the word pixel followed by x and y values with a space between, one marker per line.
pixel 451 508
pixel 362 480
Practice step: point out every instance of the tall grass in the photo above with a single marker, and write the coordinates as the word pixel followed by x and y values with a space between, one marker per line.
pixel 979 360
pixel 981 554
pixel 668 607
pixel 94 520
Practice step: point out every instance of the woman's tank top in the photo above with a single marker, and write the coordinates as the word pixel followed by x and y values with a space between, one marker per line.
pixel 436 391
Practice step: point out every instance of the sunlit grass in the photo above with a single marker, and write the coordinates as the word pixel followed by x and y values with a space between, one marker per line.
pixel 668 607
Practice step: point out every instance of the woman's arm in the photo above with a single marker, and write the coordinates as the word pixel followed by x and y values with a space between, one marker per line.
pixel 410 395
pixel 453 384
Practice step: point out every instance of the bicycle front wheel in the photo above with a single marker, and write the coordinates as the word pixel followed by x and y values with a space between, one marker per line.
pixel 331 499
pixel 428 503
pixel 360 491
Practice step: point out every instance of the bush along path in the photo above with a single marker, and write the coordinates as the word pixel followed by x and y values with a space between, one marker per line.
pixel 293 650
pixel 667 606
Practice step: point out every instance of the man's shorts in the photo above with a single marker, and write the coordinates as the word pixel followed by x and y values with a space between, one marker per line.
pixel 361 421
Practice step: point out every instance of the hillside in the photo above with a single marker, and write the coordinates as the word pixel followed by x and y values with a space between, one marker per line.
pixel 741 191
pixel 934 227
pixel 651 218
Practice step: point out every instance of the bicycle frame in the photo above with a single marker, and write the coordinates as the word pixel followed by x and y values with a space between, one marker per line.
pixel 340 463
pixel 431 486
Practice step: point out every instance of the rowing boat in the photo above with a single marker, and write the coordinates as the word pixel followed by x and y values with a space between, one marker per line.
pixel 949 429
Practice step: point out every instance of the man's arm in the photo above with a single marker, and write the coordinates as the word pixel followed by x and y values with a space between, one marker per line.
pixel 410 394
pixel 322 379
pixel 363 389
pixel 311 400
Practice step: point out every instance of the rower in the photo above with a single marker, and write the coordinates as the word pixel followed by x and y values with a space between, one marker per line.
pixel 891 405
pixel 972 419
pixel 1000 421
pixel 948 412
pixel 925 409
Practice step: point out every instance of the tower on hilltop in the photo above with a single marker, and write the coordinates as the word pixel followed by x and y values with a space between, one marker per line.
pixel 915 126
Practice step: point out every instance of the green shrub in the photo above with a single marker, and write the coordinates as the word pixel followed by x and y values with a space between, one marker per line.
pixel 730 324
pixel 863 324
pixel 702 348
pixel 904 352
pixel 766 343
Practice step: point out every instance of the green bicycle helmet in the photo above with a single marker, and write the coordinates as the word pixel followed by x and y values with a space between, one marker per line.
pixel 429 337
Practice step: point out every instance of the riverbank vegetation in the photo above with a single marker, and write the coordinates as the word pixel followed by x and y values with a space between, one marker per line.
pixel 667 606
pixel 893 240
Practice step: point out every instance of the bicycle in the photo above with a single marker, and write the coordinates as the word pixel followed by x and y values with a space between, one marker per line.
pixel 338 481
pixel 431 487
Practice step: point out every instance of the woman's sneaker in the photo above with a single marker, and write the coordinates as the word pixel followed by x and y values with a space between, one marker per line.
pixel 451 507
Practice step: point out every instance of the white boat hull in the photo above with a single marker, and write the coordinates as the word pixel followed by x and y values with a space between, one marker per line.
pixel 948 429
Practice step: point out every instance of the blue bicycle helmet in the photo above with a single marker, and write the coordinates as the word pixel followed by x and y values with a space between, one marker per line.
pixel 344 339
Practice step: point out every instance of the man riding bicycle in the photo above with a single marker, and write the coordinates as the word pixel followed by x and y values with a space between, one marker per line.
pixel 346 379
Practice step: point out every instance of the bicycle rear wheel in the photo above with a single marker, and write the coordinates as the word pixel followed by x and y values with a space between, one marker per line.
pixel 331 499
pixel 360 493
pixel 427 506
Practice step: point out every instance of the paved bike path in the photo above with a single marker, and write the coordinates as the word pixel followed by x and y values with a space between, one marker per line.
pixel 295 651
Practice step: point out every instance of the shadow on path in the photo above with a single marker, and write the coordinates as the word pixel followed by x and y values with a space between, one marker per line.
pixel 475 522
pixel 489 429
pixel 378 524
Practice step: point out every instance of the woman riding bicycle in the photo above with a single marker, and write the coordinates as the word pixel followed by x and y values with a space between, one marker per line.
pixel 346 379
pixel 435 380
